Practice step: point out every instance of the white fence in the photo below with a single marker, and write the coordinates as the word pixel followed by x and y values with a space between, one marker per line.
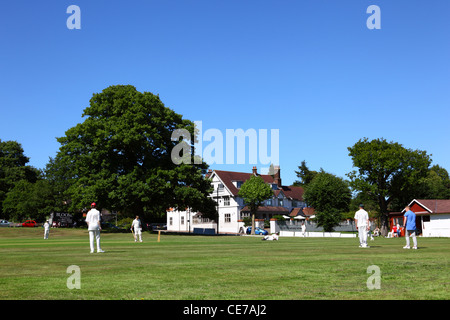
pixel 317 234
pixel 293 228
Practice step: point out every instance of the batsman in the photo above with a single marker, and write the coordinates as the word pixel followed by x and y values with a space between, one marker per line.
pixel 136 229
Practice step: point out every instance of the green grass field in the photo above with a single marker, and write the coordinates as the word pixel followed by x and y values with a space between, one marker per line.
pixel 210 268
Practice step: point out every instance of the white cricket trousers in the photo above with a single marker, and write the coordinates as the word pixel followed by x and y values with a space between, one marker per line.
pixel 413 235
pixel 94 236
pixel 46 232
pixel 138 234
pixel 362 233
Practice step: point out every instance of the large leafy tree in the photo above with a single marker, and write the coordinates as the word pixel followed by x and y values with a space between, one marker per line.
pixel 29 201
pixel 13 168
pixel 330 196
pixel 120 157
pixel 254 192
pixel 304 174
pixel 386 172
pixel 436 185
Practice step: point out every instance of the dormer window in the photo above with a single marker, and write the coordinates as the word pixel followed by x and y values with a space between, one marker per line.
pixel 274 186
pixel 238 184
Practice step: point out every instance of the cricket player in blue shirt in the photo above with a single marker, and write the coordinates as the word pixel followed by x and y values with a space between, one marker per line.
pixel 409 221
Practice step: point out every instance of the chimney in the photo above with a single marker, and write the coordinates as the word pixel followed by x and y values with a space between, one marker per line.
pixel 255 171
pixel 277 176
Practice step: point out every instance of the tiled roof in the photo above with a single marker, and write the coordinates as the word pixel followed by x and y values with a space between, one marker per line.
pixel 228 177
pixel 293 192
pixel 305 212
pixel 434 206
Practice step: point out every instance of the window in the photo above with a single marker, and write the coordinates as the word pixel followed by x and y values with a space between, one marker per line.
pixel 238 184
pixel 170 221
pixel 182 220
pixel 268 202
pixel 280 202
pixel 245 215
pixel 227 217
pixel 226 201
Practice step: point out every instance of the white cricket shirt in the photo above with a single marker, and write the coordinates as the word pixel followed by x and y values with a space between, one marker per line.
pixel 363 218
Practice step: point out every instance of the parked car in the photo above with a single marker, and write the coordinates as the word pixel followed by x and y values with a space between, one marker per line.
pixel 4 223
pixel 29 223
pixel 258 231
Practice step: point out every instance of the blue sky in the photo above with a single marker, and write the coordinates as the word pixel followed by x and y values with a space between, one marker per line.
pixel 311 69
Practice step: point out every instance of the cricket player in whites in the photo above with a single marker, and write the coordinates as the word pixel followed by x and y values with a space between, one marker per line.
pixel 46 229
pixel 363 225
pixel 137 227
pixel 94 227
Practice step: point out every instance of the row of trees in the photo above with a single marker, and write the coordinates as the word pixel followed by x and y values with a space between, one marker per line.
pixel 120 156
pixel 21 186
pixel 387 178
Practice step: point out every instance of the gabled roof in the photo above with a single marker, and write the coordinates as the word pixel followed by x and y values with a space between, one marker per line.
pixel 304 212
pixel 228 177
pixel 431 206
pixel 293 192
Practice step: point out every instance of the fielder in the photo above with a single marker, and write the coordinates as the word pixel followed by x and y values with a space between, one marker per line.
pixel 271 237
pixel 137 227
pixel 362 225
pixel 94 227
pixel 409 221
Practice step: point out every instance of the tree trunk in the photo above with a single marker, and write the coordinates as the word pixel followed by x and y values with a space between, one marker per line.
pixel 384 221
pixel 253 223
pixel 384 230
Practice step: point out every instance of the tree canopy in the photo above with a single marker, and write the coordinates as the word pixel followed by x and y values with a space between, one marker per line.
pixel 13 169
pixel 305 174
pixel 387 171
pixel 120 157
pixel 330 196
